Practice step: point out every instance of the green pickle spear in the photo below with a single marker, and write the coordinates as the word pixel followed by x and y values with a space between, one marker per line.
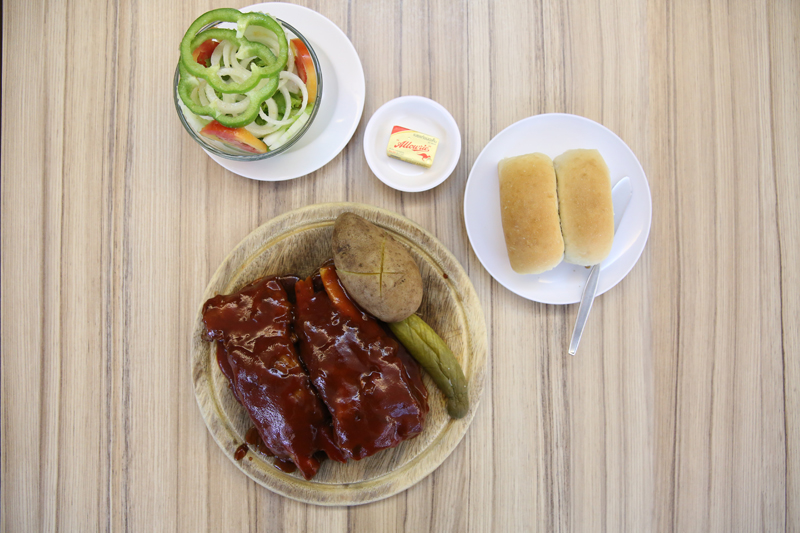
pixel 432 353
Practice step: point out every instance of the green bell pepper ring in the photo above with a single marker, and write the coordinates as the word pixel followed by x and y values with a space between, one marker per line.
pixel 271 64
pixel 221 34
pixel 270 24
pixel 257 96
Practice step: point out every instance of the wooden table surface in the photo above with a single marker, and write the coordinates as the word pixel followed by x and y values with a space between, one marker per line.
pixel 680 412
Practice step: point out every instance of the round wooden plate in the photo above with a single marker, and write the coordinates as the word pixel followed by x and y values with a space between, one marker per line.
pixel 297 243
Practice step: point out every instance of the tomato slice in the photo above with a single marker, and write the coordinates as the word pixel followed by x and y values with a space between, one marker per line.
pixel 301 68
pixel 202 53
pixel 305 68
pixel 236 137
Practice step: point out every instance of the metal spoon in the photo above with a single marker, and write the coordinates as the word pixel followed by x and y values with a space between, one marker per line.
pixel 620 196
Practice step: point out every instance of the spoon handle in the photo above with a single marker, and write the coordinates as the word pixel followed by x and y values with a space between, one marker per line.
pixel 587 298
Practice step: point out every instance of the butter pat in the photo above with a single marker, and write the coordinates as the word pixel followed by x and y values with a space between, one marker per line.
pixel 412 146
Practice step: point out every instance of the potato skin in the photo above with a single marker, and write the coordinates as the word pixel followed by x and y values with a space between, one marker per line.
pixel 377 271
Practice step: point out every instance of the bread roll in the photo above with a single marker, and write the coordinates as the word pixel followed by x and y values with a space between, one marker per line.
pixel 584 204
pixel 529 209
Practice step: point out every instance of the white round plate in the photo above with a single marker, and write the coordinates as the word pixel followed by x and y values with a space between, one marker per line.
pixel 419 114
pixel 342 103
pixel 554 134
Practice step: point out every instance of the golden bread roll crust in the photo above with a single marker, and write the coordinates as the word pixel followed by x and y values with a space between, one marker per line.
pixel 585 207
pixel 529 210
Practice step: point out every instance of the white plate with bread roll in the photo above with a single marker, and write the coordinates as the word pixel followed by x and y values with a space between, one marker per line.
pixel 555 212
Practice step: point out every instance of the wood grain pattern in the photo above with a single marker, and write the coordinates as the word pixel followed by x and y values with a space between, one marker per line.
pixel 682 410
pixel 298 242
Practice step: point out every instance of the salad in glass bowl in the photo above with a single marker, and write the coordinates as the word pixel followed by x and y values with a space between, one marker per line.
pixel 247 85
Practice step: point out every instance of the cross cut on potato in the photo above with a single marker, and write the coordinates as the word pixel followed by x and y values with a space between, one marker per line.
pixel 377 271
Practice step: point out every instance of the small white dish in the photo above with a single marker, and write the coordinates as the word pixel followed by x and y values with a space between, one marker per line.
pixel 425 116
pixel 343 94
pixel 554 134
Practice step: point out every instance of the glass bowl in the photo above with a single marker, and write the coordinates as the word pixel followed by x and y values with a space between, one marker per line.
pixel 230 152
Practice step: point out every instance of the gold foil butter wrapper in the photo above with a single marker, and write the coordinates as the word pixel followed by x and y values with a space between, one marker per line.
pixel 412 146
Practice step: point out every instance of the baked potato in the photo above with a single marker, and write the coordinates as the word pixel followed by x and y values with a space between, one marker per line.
pixel 377 271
